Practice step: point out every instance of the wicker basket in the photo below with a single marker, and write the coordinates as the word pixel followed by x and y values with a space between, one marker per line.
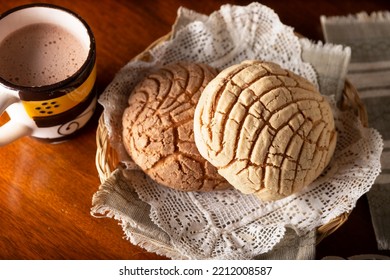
pixel 107 159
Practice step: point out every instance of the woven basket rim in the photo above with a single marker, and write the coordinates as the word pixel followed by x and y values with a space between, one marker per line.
pixel 106 159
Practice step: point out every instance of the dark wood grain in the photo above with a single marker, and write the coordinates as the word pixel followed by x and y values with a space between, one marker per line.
pixel 46 190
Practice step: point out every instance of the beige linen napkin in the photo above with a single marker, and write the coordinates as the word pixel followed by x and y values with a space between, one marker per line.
pixel 369 71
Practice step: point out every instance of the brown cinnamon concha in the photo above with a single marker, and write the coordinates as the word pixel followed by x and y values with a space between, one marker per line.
pixel 158 128
pixel 267 130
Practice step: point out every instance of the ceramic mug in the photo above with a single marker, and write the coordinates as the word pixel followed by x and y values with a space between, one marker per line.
pixel 47 84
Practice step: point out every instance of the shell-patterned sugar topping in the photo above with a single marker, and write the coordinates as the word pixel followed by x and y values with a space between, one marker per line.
pixel 267 130
pixel 158 128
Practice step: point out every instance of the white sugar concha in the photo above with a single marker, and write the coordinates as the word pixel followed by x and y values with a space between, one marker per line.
pixel 268 131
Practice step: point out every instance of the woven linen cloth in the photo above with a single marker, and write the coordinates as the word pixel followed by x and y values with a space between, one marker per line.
pixel 368 35
pixel 229 224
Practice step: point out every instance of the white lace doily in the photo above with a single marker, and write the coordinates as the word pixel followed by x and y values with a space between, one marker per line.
pixel 228 224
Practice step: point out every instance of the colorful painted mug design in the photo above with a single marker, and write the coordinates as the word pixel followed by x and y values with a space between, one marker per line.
pixel 55 111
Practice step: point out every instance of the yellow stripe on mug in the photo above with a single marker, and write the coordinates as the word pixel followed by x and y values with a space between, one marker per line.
pixel 63 103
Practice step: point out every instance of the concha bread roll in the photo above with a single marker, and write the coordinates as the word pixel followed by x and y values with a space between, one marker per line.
pixel 158 128
pixel 268 131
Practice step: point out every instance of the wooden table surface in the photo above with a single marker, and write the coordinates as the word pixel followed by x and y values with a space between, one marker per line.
pixel 46 189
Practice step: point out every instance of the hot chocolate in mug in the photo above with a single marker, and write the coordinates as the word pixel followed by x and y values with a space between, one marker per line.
pixel 47 72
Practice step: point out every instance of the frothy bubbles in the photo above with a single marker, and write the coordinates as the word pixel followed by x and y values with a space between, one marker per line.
pixel 40 54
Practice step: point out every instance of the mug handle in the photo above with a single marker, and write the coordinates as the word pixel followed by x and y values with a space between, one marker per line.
pixel 11 130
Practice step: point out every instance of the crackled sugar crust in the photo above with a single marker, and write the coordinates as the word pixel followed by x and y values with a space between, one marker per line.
pixel 267 130
pixel 158 128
